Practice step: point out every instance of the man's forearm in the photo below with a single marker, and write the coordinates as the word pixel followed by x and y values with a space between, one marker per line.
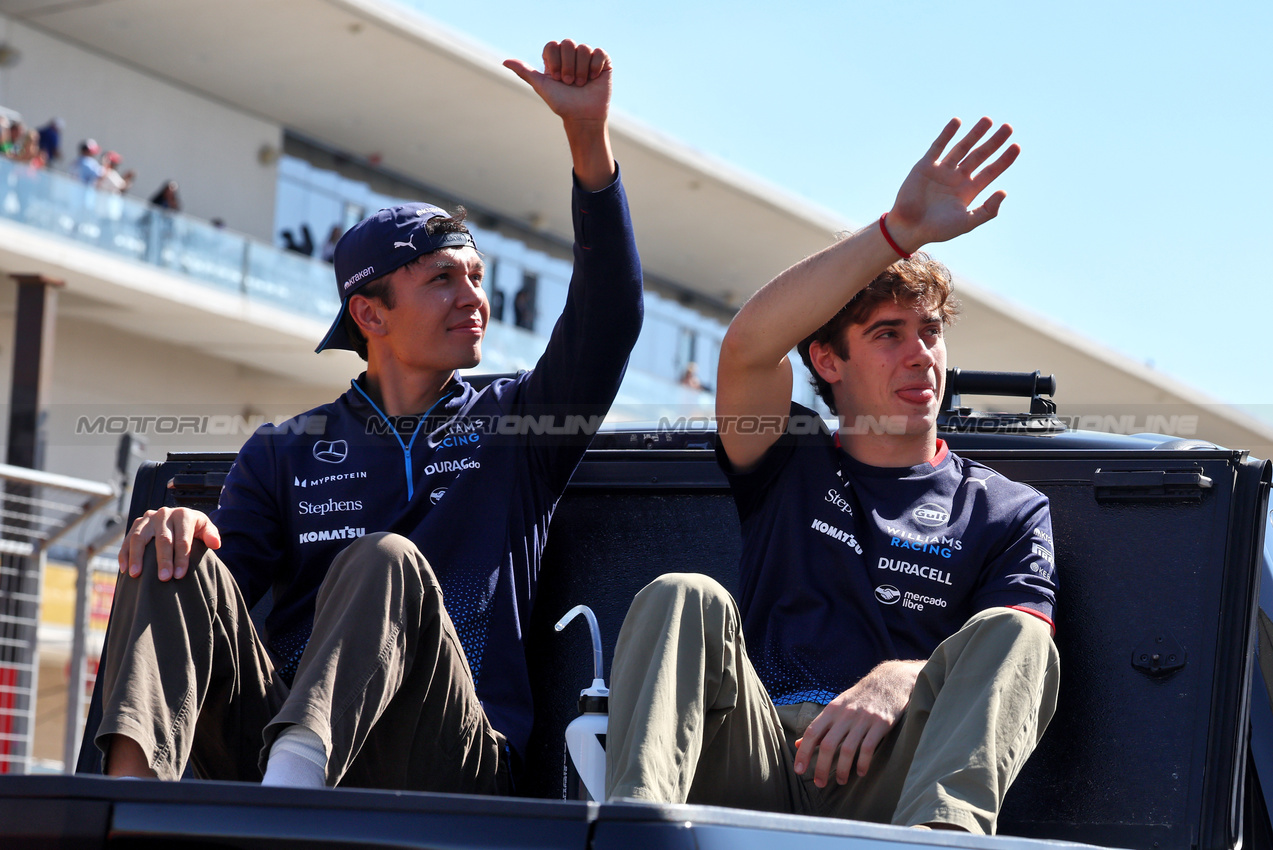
pixel 590 153
pixel 604 304
pixel 801 299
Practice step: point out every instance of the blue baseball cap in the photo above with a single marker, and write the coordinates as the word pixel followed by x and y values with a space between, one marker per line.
pixel 378 245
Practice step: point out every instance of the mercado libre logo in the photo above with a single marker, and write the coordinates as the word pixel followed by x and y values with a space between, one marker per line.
pixel 887 594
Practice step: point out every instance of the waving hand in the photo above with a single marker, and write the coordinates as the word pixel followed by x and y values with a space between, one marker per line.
pixel 934 202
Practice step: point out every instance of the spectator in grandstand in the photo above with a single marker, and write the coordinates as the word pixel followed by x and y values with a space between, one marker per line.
pixel 365 673
pixel 113 181
pixel 156 224
pixel 166 197
pixel 14 138
pixel 524 307
pixel 28 151
pixel 51 140
pixel 329 247
pixel 305 245
pixel 497 303
pixel 88 168
pixel 31 161
pixel 689 378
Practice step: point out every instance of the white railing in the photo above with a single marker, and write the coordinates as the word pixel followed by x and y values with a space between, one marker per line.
pixel 38 509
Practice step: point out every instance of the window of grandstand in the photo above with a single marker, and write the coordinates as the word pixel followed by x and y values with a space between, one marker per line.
pixel 321 192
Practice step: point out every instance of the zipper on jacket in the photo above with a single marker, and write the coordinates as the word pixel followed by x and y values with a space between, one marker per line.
pixel 406 447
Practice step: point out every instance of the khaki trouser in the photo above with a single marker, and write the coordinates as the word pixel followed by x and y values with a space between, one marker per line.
pixel 383 681
pixel 691 722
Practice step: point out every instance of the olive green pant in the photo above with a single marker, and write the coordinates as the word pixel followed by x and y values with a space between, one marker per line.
pixel 383 681
pixel 691 722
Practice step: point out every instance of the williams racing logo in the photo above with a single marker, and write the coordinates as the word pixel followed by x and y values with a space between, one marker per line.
pixel 346 533
pixel 456 440
pixel 931 544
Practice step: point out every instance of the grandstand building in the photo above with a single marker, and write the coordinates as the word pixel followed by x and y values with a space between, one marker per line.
pixel 188 329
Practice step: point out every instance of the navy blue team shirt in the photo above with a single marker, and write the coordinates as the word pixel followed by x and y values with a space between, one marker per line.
pixel 846 565
pixel 473 482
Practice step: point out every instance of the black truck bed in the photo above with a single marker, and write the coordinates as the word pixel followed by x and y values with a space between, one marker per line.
pixel 1159 553
pixel 93 812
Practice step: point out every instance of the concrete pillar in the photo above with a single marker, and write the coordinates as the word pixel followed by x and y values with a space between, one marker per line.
pixel 32 366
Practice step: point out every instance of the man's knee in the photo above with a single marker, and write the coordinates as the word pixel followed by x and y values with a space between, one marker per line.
pixel 384 550
pixel 384 544
pixel 1024 632
pixel 681 603
pixel 683 589
pixel 200 577
pixel 1010 647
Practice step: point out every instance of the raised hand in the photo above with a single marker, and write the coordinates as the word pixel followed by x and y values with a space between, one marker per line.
pixel 934 202
pixel 575 82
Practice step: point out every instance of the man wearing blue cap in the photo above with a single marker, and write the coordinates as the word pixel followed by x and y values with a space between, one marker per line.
pixel 399 528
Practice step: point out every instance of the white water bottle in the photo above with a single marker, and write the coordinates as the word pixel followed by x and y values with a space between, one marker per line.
pixel 586 733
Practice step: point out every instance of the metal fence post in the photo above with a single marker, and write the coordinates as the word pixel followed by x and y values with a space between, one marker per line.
pixel 78 679
pixel 79 660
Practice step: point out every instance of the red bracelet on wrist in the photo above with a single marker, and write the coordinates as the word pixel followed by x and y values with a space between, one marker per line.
pixel 889 239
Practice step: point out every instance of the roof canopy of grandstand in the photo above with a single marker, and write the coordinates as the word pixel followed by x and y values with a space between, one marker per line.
pixel 374 79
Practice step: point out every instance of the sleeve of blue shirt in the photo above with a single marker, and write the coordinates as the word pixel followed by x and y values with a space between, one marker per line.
pixel 579 374
pixel 248 518
pixel 750 488
pixel 1022 574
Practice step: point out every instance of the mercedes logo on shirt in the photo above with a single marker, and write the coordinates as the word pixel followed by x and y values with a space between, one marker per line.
pixel 331 451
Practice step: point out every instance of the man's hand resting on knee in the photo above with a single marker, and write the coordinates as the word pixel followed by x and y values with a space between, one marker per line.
pixel 174 531
pixel 856 721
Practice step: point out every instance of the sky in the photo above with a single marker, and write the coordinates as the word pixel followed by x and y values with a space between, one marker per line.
pixel 1138 214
